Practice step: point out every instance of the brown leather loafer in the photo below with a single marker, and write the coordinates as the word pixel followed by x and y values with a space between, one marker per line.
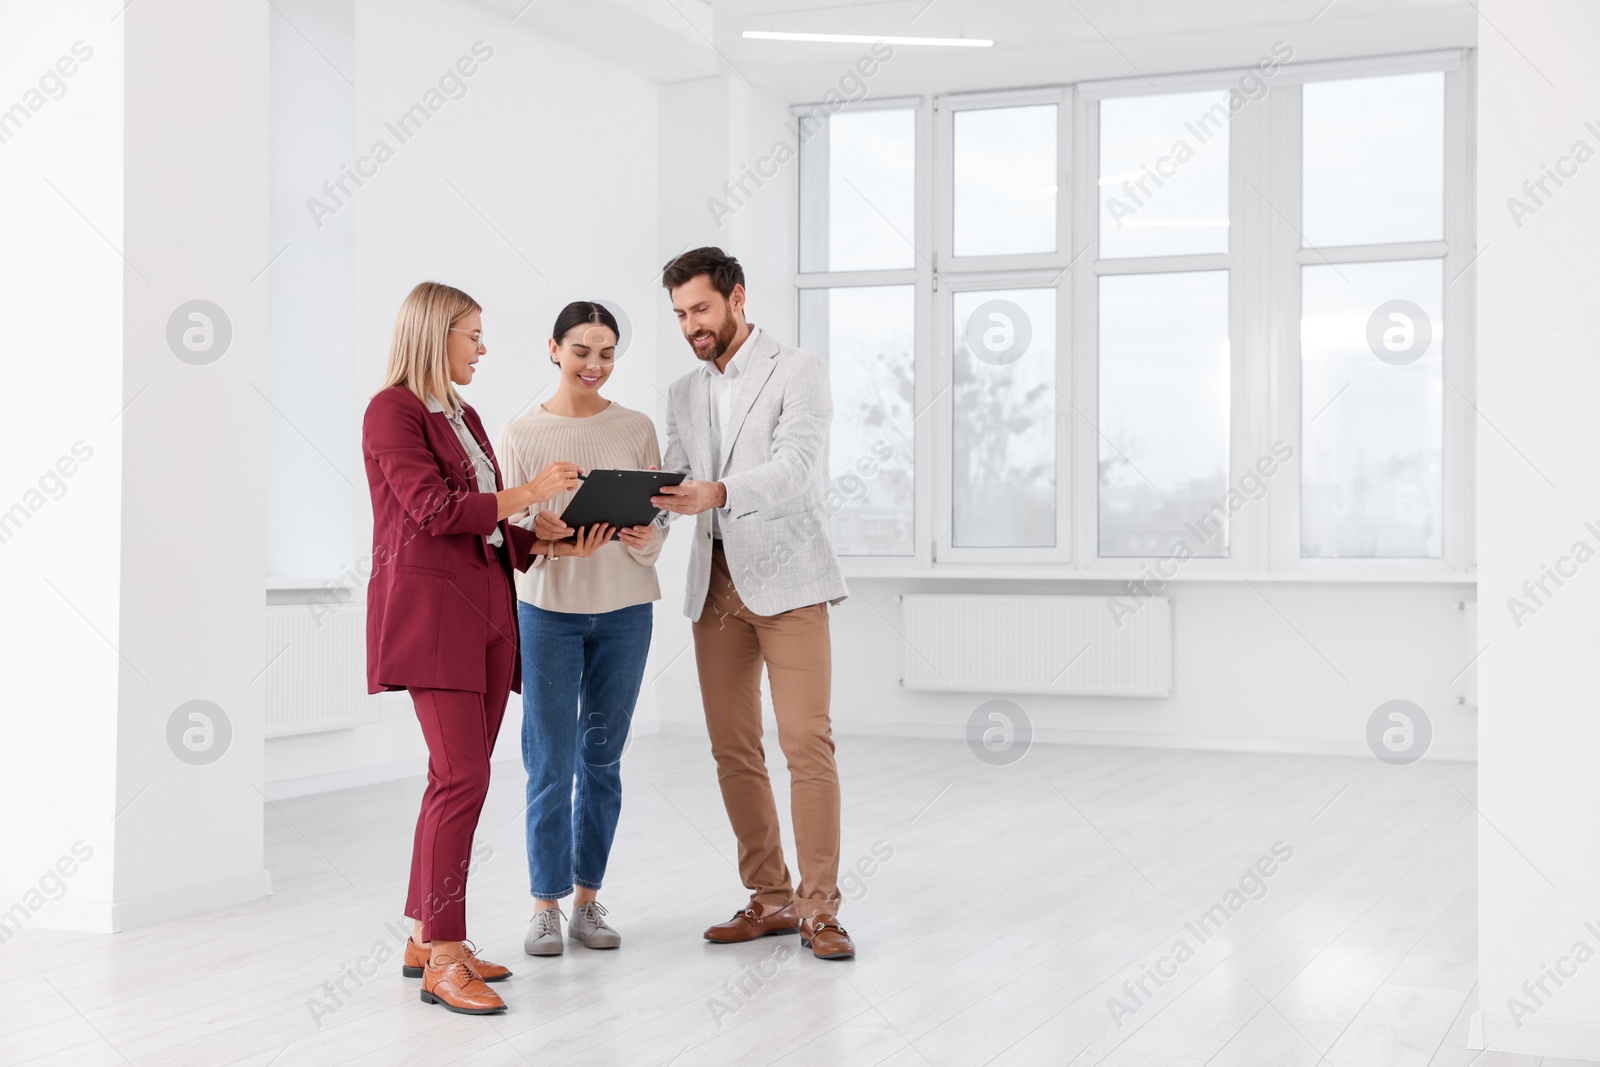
pixel 417 958
pixel 826 939
pixel 750 924
pixel 457 986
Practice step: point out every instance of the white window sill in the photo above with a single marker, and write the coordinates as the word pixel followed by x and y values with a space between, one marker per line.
pixel 857 567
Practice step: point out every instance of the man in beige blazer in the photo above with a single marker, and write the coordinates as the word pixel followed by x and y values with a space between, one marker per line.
pixel 749 427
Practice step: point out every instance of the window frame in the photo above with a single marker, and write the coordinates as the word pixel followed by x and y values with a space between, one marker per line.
pixel 1456 250
pixel 944 367
pixel 945 109
pixel 919 275
pixel 1245 528
pixel 1263 261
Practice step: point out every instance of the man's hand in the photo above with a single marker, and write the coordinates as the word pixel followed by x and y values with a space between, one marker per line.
pixel 691 497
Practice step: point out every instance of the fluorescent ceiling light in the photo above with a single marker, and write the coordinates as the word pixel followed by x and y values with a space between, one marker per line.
pixel 866 38
pixel 1174 222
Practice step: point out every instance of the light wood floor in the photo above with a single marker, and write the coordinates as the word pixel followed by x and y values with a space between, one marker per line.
pixel 1016 901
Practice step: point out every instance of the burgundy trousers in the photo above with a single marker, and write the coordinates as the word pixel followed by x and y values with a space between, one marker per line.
pixel 460 728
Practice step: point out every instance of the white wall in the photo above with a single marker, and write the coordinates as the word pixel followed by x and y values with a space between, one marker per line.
pixel 63 304
pixel 536 187
pixel 595 190
pixel 193 514
pixel 314 477
pixel 1246 677
pixel 1539 871
pixel 145 185
pixel 712 130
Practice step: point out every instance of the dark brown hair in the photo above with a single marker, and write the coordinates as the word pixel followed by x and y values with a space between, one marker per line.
pixel 723 270
pixel 581 311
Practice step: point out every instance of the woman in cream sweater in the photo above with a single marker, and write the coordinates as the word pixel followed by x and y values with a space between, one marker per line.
pixel 585 614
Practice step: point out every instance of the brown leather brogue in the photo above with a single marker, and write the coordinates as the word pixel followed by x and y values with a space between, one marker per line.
pixel 457 986
pixel 417 958
pixel 826 939
pixel 750 924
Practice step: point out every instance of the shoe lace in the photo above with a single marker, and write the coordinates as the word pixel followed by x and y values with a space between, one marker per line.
pixel 593 911
pixel 465 963
pixel 471 961
pixel 549 920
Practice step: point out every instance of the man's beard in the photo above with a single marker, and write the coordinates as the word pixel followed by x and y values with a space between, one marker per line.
pixel 723 338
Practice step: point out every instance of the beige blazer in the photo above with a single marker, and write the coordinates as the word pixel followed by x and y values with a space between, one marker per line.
pixel 775 526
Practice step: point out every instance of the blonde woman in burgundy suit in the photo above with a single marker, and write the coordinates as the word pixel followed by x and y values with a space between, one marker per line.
pixel 441 622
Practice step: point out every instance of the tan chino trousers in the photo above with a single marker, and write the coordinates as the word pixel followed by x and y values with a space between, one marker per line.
pixel 731 643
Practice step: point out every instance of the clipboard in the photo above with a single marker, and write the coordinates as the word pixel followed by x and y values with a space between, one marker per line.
pixel 619 497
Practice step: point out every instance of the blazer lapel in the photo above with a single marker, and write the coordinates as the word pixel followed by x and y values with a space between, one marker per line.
pixel 697 434
pixel 464 465
pixel 762 363
pixel 475 424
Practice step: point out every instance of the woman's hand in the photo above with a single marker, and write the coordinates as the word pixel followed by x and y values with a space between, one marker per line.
pixel 555 479
pixel 589 539
pixel 637 537
pixel 547 526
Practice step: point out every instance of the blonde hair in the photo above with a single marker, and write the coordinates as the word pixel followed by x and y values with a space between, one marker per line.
pixel 417 357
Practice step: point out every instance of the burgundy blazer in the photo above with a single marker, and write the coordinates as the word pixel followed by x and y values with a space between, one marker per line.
pixel 428 599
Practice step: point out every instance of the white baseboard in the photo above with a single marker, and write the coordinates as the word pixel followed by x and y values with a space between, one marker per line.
pixel 1110 739
pixel 417 766
pixel 113 917
pixel 1562 1038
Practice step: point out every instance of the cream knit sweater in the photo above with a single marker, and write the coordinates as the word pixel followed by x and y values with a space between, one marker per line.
pixel 616 576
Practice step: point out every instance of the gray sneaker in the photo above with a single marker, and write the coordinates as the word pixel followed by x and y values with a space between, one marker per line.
pixel 589 926
pixel 544 933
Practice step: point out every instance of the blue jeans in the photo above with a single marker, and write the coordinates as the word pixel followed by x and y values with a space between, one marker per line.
pixel 580 680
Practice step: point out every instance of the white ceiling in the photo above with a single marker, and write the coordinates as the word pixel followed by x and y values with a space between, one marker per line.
pixel 660 40
pixel 1037 42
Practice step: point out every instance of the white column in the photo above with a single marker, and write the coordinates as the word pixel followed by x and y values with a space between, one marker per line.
pixel 139 591
pixel 61 280
pixel 1538 380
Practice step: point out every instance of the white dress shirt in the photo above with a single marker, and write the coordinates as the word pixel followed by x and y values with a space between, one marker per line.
pixel 724 386
pixel 482 467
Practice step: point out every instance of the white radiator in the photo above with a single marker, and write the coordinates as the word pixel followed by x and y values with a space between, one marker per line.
pixel 316 675
pixel 1068 645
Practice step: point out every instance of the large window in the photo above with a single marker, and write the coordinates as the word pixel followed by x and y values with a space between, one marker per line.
pixel 858 192
pixel 1371 477
pixel 1003 437
pixel 1164 394
pixel 1004 180
pixel 1371 333
pixel 1205 317
pixel 867 335
pixel 858 244
pixel 1164 175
